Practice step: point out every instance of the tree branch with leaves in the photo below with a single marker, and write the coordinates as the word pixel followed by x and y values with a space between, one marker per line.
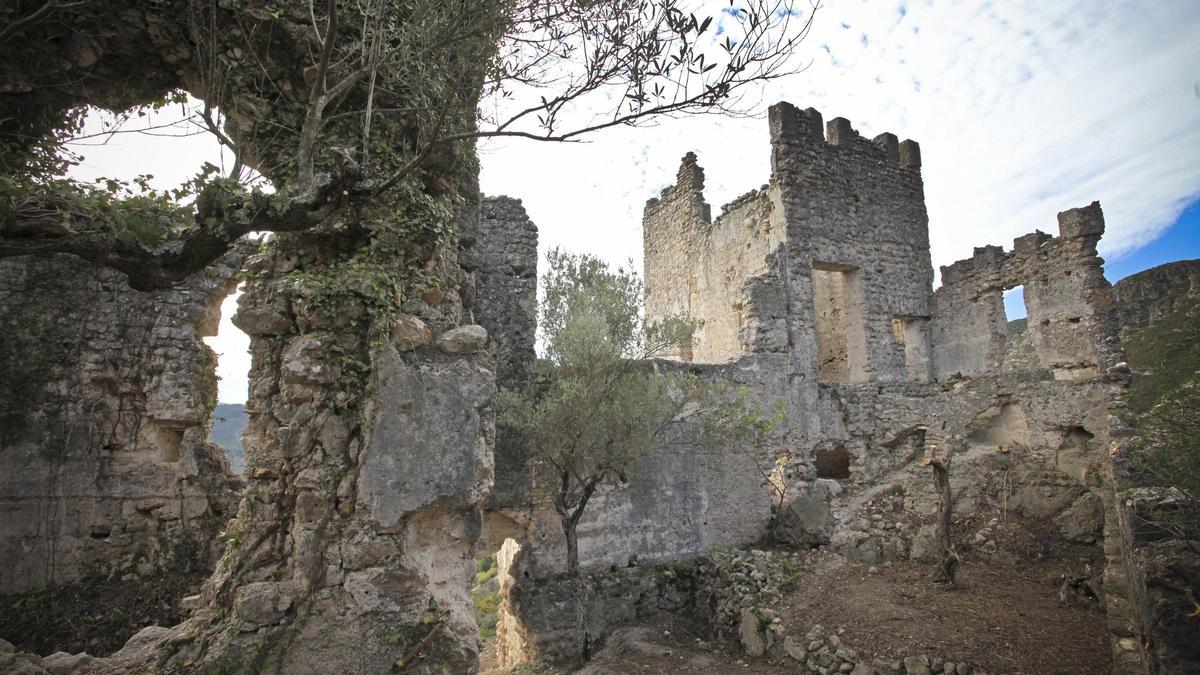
pixel 338 103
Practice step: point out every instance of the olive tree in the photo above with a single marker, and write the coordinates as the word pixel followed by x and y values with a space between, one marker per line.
pixel 599 405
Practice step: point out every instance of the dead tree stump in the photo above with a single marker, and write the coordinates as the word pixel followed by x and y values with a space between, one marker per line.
pixel 948 564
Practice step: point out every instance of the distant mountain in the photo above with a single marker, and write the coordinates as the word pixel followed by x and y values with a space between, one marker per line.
pixel 1159 313
pixel 1150 296
pixel 228 421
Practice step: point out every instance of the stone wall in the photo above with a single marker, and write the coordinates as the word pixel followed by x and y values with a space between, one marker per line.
pixel 710 270
pixel 503 257
pixel 683 501
pixel 1158 574
pixel 369 459
pixel 858 231
pixel 105 400
pixel 829 261
pixel 1071 326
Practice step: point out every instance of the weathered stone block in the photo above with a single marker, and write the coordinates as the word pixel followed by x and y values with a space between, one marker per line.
pixel 463 340
pixel 431 435
pixel 261 603
pixel 410 333
pixel 805 522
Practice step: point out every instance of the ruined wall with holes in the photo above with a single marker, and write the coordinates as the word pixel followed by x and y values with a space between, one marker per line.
pixel 105 398
pixel 715 271
pixel 828 262
pixel 1071 327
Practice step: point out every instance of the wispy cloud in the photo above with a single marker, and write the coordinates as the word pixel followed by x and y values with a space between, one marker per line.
pixel 1022 109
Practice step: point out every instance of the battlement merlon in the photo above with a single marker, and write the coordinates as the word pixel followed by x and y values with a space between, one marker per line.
pixel 793 129
pixel 1085 221
pixel 684 199
pixel 984 259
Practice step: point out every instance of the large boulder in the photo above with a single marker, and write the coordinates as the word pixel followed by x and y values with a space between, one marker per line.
pixel 805 522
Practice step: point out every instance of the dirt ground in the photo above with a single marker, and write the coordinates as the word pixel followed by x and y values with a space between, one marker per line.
pixel 996 618
pixel 663 645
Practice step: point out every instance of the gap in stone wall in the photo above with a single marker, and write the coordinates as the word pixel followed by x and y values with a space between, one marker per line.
pixel 838 313
pixel 832 463
pixel 504 644
pixel 1015 313
pixel 1000 425
pixel 912 334
pixel 232 348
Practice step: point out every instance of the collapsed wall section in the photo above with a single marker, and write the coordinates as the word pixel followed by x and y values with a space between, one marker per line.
pixel 721 274
pixel 105 400
pixel 829 262
pixel 1071 328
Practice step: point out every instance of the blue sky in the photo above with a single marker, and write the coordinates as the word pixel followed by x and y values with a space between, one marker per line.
pixel 1180 242
pixel 1023 108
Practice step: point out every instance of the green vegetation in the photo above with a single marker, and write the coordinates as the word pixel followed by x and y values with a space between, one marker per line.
pixel 597 406
pixel 486 596
pixel 1164 355
pixel 1165 400
pixel 1166 453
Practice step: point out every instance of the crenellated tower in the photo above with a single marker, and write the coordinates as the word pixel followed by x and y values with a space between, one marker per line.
pixel 828 262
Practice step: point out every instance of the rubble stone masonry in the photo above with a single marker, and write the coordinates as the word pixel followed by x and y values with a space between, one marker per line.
pixel 105 399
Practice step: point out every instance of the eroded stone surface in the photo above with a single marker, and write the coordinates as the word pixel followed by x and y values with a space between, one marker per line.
pixel 432 438
pixel 463 340
pixel 105 398
pixel 504 258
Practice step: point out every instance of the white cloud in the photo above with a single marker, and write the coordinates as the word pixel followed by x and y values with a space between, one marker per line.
pixel 1023 108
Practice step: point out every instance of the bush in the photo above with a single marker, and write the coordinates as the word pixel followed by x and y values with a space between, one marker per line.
pixel 1166 453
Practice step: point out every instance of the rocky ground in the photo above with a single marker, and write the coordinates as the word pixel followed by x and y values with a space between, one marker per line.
pixel 997 618
pixel 842 616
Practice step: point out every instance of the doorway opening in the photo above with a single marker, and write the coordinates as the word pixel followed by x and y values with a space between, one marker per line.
pixel 838 314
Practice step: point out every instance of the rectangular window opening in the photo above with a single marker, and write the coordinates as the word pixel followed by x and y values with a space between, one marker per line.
pixel 912 333
pixel 840 330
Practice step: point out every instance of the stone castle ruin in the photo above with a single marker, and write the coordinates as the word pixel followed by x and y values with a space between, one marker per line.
pixel 815 292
